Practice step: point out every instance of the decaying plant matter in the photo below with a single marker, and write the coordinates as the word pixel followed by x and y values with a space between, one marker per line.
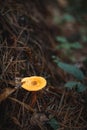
pixel 26 49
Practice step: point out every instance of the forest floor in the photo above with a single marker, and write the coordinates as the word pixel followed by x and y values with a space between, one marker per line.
pixel 38 39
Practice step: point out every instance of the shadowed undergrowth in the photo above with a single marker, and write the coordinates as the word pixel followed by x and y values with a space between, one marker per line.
pixel 26 48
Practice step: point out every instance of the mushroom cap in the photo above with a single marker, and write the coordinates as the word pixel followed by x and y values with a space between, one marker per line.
pixel 33 83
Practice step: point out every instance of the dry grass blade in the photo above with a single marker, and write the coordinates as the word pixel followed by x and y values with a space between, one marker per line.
pixel 6 92
pixel 22 104
pixel 15 120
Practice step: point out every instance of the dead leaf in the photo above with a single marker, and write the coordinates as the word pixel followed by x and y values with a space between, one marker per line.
pixel 15 120
pixel 38 118
pixel 63 3
pixel 6 92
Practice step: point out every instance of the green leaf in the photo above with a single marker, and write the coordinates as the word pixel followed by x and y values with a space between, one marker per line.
pixel 69 46
pixel 84 38
pixel 81 87
pixel 65 46
pixel 76 45
pixel 73 84
pixel 71 69
pixel 68 18
pixel 61 39
pixel 54 124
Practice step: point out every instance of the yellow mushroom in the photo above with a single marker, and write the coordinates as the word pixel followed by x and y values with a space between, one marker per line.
pixel 33 83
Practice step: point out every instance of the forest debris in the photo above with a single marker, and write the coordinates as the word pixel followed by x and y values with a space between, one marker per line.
pixel 38 117
pixel 16 121
pixel 26 106
pixel 6 92
pixel 63 3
